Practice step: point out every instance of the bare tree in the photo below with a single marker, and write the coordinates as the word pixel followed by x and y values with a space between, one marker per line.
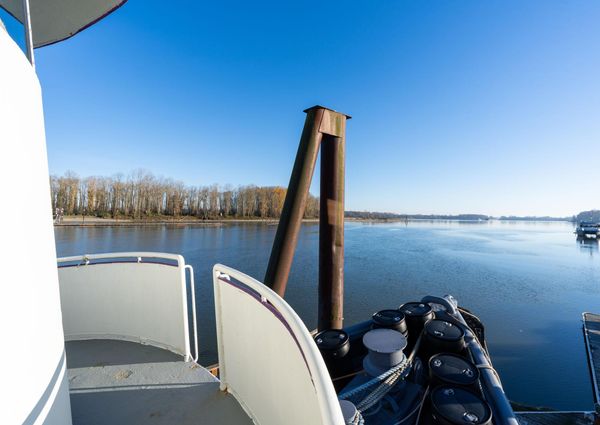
pixel 143 195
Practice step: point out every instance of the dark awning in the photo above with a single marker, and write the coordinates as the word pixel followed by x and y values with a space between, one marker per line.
pixel 55 20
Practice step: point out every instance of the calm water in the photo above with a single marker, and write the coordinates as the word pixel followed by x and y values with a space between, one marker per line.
pixel 528 282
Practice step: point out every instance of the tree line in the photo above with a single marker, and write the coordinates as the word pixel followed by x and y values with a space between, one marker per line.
pixel 590 216
pixel 371 215
pixel 143 195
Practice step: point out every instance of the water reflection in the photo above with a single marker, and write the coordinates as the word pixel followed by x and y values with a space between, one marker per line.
pixel 588 245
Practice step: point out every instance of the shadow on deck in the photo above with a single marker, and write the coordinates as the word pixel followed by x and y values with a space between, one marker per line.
pixel 118 382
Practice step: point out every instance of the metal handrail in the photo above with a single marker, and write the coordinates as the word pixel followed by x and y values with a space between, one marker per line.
pixel 194 322
pixel 588 351
pixel 28 32
pixel 143 254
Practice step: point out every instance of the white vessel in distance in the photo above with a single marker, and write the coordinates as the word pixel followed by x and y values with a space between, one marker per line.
pixel 587 229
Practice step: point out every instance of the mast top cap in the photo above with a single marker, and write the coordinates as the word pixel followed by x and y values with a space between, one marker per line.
pixel 312 108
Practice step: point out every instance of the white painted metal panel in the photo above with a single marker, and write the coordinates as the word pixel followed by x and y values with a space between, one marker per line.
pixel 136 301
pixel 35 389
pixel 267 358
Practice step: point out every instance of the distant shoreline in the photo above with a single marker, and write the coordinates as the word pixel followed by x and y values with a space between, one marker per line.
pixel 74 221
pixel 87 221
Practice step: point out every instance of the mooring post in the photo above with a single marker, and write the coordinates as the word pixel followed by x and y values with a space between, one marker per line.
pixel 327 128
pixel 294 205
pixel 331 234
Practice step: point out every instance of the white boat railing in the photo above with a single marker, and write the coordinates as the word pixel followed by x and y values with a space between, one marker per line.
pixel 267 357
pixel 132 296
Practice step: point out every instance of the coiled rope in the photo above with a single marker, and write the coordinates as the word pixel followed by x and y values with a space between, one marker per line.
pixel 378 379
pixel 382 385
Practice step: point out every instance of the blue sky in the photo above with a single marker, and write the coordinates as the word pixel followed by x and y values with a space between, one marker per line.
pixel 487 107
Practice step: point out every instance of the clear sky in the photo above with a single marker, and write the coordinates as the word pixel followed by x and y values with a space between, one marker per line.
pixel 488 107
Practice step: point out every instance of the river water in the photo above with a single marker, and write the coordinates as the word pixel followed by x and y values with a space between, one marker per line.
pixel 528 282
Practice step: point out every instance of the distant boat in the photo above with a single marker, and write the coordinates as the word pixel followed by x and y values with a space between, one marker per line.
pixel 588 229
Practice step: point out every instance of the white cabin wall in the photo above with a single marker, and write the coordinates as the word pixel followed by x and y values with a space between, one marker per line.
pixel 35 387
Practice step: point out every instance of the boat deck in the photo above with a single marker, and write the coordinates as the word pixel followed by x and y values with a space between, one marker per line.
pixel 591 331
pixel 555 418
pixel 118 382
